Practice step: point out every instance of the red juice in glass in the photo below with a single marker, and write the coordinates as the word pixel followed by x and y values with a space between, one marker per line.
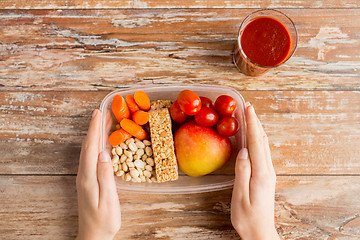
pixel 267 38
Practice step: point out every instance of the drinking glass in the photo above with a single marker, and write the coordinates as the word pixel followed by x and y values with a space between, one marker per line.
pixel 249 66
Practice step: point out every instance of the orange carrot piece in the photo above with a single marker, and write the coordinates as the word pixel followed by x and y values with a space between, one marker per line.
pixel 120 108
pixel 118 137
pixel 133 107
pixel 140 117
pixel 134 129
pixel 142 100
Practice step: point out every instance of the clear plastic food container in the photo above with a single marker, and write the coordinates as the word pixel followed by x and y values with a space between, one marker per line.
pixel 220 179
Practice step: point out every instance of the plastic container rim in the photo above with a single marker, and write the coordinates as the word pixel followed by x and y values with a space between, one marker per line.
pixel 170 190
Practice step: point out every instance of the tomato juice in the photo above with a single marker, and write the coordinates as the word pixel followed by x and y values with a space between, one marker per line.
pixel 266 41
pixel 267 38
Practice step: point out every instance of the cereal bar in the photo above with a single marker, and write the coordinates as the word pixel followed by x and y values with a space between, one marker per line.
pixel 157 105
pixel 162 142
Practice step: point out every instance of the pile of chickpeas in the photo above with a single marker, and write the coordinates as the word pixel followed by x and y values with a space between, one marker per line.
pixel 133 161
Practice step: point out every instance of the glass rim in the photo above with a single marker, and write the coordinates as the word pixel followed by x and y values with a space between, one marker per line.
pixel 267 10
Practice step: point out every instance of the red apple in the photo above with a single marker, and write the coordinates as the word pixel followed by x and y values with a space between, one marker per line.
pixel 200 150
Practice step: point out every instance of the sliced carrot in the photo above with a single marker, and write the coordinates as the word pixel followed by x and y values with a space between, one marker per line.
pixel 142 100
pixel 134 129
pixel 140 117
pixel 118 137
pixel 120 108
pixel 133 107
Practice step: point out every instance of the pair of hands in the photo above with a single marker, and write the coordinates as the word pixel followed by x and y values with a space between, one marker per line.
pixel 252 203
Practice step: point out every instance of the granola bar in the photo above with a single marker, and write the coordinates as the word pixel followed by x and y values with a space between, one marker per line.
pixel 162 141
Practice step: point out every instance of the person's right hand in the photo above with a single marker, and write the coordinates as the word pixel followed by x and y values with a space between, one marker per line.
pixel 252 203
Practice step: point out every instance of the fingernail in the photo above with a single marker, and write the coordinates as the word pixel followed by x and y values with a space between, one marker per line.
pixel 104 157
pixel 243 154
pixel 94 113
pixel 247 104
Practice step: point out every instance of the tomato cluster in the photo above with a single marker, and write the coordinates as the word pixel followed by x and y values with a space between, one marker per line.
pixel 205 112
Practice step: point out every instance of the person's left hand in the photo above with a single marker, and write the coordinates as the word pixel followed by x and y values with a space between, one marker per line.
pixel 98 202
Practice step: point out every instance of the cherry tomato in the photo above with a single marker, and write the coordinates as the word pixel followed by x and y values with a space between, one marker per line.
pixel 227 126
pixel 206 117
pixel 176 113
pixel 206 102
pixel 189 102
pixel 225 105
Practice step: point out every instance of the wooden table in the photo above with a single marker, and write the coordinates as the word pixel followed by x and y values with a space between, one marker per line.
pixel 59 58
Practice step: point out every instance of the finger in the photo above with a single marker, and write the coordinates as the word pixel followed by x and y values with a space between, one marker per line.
pixel 268 155
pixel 105 175
pixel 266 146
pixel 255 142
pixel 82 153
pixel 87 187
pixel 90 149
pixel 242 177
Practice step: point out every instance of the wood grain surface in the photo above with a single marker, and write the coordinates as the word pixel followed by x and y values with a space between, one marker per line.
pixel 60 58
pixel 47 210
pixel 309 132
pixel 106 49
pixel 106 4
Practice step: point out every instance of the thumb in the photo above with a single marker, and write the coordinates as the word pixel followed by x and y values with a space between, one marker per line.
pixel 242 176
pixel 106 180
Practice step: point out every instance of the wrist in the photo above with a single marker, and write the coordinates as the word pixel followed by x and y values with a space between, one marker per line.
pixel 260 234
pixel 90 236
